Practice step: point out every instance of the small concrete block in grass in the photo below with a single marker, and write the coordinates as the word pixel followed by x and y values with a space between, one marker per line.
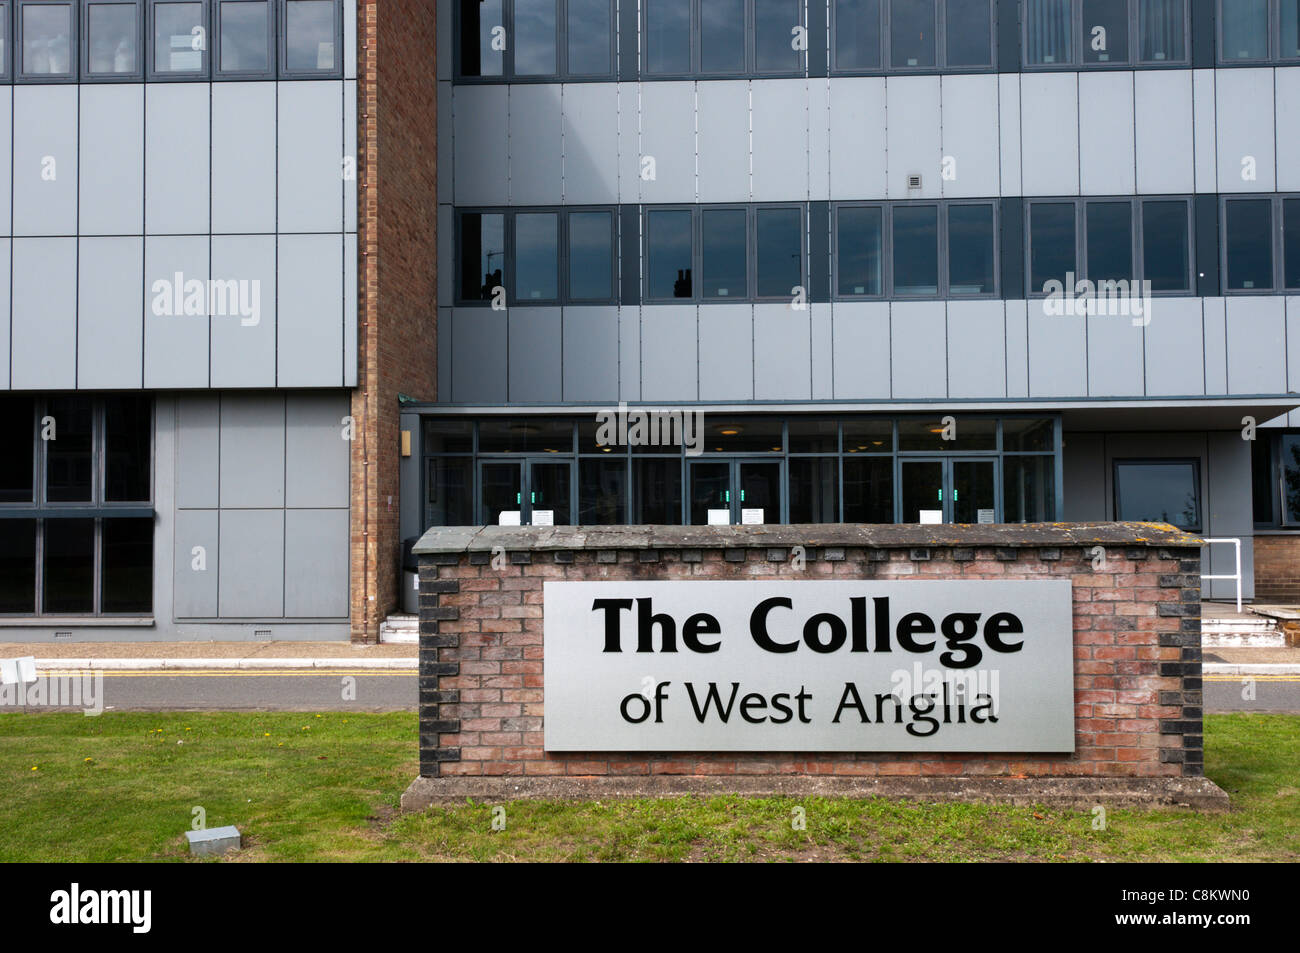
pixel 213 841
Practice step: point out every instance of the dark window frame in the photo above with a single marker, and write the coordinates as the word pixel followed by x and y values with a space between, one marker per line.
pixel 73 75
pixel 1079 39
pixel 940 65
pixel 561 74
pixel 152 74
pixel 281 18
pixel 272 46
pixel 696 70
pixel 7 45
pixel 1273 40
pixel 1118 462
pixel 1276 237
pixel 136 75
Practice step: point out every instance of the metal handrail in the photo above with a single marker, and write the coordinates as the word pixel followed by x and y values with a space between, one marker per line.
pixel 1236 545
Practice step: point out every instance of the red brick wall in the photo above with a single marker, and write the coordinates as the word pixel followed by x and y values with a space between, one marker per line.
pixel 1277 569
pixel 1137 656
pixel 397 172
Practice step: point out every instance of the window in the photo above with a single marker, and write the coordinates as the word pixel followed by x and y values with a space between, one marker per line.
pixel 911 34
pixel 244 31
pixel 721 37
pixel 535 39
pixel 591 256
pixel 180 43
pixel 112 40
pixel 1289 32
pixel 668 36
pixel 1103 33
pixel 779 252
pixel 1166 261
pixel 1052 244
pixel 1161 31
pixel 855 31
pixel 1248 244
pixel 968 31
pixel 669 258
pixel 724 260
pixel 1048 38
pixel 1158 491
pixel 590 31
pixel 312 37
pixel 859 251
pixel 1243 30
pixel 4 40
pixel 971 245
pixel 537 257
pixel 915 239
pixel 76 514
pixel 1109 241
pixel 482 38
pixel 483 255
pixel 774 47
pixel 46 39
pixel 1291 242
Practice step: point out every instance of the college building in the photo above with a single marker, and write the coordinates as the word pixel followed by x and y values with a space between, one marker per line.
pixel 291 281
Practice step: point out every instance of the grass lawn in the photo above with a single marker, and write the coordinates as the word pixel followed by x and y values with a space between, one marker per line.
pixel 123 786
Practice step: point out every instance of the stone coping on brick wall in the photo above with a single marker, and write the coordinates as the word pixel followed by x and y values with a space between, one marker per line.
pixel 460 539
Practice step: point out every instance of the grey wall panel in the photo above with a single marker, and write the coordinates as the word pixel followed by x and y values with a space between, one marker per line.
pixel 350 310
pixel 723 138
pixel 1058 352
pixel 727 352
pixel 445 35
pixel 1228 513
pixel 977 349
pixel 591 131
pixel 1049 133
pixel 819 139
pixel 670 352
pixel 857 116
pixel 445 351
pixel 780 152
pixel 110 313
pixel 251 561
pixel 822 356
pixel 970 114
pixel 1175 348
pixel 45 160
pixel 478 350
pixel 310 157
pixel 913 124
pixel 177 126
pixel 1216 345
pixel 591 353
pixel 243 327
pixel 316 451
pixel 350 38
pixel 4 313
pixel 1164 144
pixel 629 353
pixel 252 450
pixel 668 136
pixel 44 323
pixel 350 155
pixel 1293 347
pixel 536 130
pixel 446 144
pixel 861 345
pixel 1288 129
pixel 1106 155
pixel 198 451
pixel 112 178
pixel 243 157
pixel 629 143
pixel 1009 132
pixel 194 574
pixel 782 353
pixel 1203 130
pixel 918 349
pixel 536 353
pixel 6 159
pixel 1115 358
pixel 1017 330
pixel 175 344
pixel 446 255
pixel 480 140
pixel 316 564
pixel 1083 467
pixel 309 351
pixel 1256 345
pixel 1245 117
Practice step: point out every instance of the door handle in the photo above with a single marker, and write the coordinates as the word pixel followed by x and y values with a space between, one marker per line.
pixel 532 497
pixel 742 496
pixel 954 496
pixel 518 497
pixel 726 496
pixel 941 496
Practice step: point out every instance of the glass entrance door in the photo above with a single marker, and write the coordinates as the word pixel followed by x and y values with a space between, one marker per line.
pixel 502 487
pixel 735 491
pixel 710 493
pixel 549 484
pixel 948 490
pixel 527 492
pixel 922 498
pixel 974 491
pixel 759 485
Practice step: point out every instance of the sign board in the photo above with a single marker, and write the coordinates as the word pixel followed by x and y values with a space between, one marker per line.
pixel 802 666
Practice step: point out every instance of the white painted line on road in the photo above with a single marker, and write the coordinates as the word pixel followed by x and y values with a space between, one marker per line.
pixel 1250 668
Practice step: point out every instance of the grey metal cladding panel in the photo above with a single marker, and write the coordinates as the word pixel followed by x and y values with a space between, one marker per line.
pixel 1083 467
pixel 918 351
pixel 1164 146
pixel 251 560
pixel 45 160
pixel 1203 130
pixel 1017 348
pixel 443 13
pixel 1049 125
pixel 310 156
pixel 780 154
pixel 724 141
pixel 44 324
pixel 198 451
pixel 782 353
pixel 1256 345
pixel 194 575
pixel 112 177
pixel 861 346
pixel 252 450
pixel 1009 132
pixel 1175 348
pixel 629 142
pixel 177 155
pixel 819 139
pixel 6 159
pixel 1293 345
pixel 316 564
pixel 591 353
pixel 110 313
pixel 668 135
pixel 445 351
pixel 316 451
pixel 536 129
pixel 175 345
pixel 670 352
pixel 480 141
pixel 857 117
pixel 4 313
pixel 1245 117
pixel 243 157
pixel 350 310
pixel 1288 129
pixel 1216 346
pixel 1115 360
pixel 913 123
pixel 970 124
pixel 446 151
pixel 727 352
pixel 629 353
pixel 243 329
pixel 1057 354
pixel 310 311
pixel 478 355
pixel 350 37
pixel 977 349
pixel 536 354
pixel 1228 510
pixel 1106 155
pixel 591 129
pixel 822 358
pixel 446 255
